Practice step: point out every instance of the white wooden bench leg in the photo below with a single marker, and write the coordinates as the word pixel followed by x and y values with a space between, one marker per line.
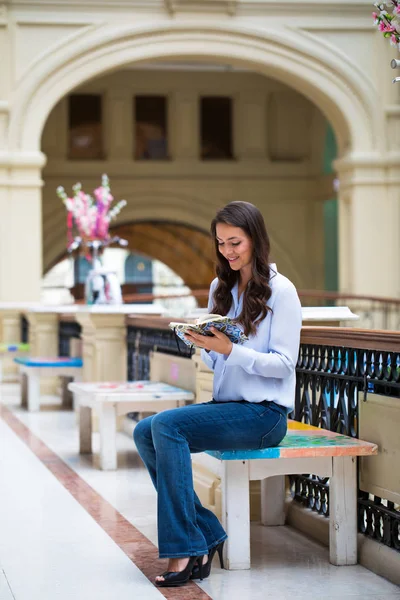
pixel 33 391
pixel 108 437
pixel 66 395
pixel 273 495
pixel 343 511
pixel 236 513
pixel 85 430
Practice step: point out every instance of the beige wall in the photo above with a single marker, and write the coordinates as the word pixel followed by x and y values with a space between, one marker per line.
pixel 278 139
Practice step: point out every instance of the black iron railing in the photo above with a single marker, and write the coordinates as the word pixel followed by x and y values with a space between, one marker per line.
pixel 142 340
pixel 66 331
pixel 24 330
pixel 330 382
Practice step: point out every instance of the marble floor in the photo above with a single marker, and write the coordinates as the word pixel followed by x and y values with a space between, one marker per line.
pixel 70 531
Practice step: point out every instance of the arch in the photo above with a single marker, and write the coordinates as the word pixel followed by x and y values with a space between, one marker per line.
pixel 184 248
pixel 306 63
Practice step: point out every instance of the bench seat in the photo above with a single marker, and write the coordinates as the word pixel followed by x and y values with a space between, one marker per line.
pixel 36 367
pixel 305 449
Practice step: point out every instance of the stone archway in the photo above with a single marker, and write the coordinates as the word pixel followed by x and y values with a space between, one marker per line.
pixel 185 250
pixel 299 59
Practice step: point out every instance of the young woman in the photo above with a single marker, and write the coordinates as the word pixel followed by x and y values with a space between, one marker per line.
pixel 254 386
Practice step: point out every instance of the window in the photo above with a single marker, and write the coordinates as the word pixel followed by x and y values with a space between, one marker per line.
pixel 151 137
pixel 216 128
pixel 85 126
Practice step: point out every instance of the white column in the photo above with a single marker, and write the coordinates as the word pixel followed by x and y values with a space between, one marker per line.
pixel 369 229
pixel 43 341
pixel 118 132
pixel 20 227
pixel 250 126
pixel 184 125
pixel 103 346
pixel 10 332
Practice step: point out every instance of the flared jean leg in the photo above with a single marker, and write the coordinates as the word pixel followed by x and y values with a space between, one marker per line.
pixel 178 432
pixel 208 523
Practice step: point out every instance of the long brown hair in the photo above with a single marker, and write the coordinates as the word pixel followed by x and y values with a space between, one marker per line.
pixel 258 291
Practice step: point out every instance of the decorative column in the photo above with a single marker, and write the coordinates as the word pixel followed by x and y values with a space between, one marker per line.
pixel 184 125
pixel 43 341
pixel 104 349
pixel 250 126
pixel 369 209
pixel 119 130
pixel 10 333
pixel 21 230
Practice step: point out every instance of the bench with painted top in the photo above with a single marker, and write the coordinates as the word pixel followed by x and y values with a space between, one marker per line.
pixel 172 384
pixel 112 399
pixel 305 449
pixel 36 367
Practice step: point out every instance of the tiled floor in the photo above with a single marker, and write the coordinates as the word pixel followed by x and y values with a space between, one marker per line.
pixel 69 530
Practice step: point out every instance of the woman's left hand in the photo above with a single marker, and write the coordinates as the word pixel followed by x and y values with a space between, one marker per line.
pixel 219 342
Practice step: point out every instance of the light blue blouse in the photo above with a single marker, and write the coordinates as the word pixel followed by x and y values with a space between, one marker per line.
pixel 263 368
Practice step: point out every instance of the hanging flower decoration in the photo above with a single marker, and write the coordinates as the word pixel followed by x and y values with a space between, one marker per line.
pixel 91 216
pixel 387 19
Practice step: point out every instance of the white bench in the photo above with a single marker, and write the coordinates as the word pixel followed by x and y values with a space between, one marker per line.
pixel 305 449
pixel 35 368
pixel 112 399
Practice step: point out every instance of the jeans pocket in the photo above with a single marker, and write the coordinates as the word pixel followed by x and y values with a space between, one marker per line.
pixel 276 434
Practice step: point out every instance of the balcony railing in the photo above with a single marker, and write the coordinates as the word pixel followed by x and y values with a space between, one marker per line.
pixel 337 367
pixel 374 312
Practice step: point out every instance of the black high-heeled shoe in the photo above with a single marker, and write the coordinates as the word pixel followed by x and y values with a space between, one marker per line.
pixel 207 567
pixel 178 578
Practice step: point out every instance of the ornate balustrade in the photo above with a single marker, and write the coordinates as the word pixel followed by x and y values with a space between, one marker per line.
pixel 146 334
pixel 336 370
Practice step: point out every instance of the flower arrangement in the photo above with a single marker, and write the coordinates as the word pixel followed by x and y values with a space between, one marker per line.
pixel 388 20
pixel 91 216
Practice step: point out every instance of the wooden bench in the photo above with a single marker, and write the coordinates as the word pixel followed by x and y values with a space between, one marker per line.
pixel 112 399
pixel 11 350
pixel 34 368
pixel 305 449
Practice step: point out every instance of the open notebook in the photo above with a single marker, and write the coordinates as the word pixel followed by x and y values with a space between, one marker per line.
pixel 203 325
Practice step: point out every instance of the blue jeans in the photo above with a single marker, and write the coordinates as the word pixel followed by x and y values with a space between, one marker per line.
pixel 165 441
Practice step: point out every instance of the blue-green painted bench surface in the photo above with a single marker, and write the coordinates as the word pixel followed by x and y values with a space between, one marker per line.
pixel 304 440
pixel 60 361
